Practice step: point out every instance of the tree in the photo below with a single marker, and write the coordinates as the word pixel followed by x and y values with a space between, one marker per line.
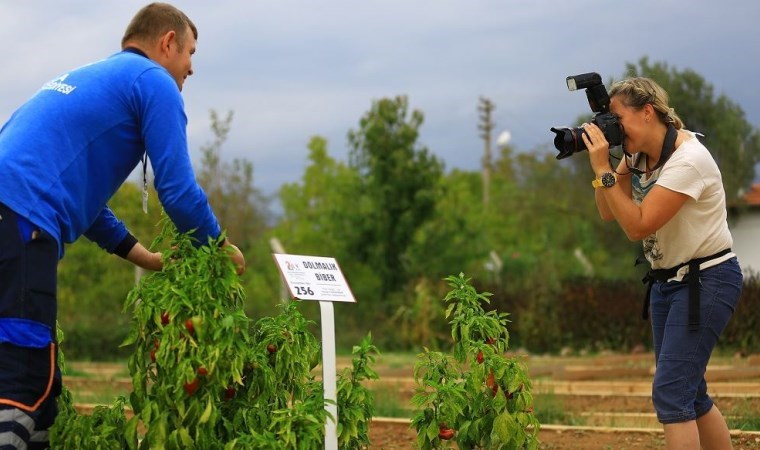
pixel 734 142
pixel 398 189
pixel 320 217
pixel 456 232
pixel 241 208
pixel 243 212
pixel 317 212
pixel 92 284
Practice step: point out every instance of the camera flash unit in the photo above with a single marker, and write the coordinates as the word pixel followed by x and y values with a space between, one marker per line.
pixel 583 81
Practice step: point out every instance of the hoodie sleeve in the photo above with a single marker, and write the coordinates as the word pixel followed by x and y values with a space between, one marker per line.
pixel 163 126
pixel 107 231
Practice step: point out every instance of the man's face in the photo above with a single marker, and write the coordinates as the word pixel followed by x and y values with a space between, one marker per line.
pixel 179 63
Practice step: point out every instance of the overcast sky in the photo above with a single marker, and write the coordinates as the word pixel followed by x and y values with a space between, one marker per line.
pixel 294 69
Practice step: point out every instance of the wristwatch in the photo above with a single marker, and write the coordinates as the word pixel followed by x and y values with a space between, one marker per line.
pixel 607 180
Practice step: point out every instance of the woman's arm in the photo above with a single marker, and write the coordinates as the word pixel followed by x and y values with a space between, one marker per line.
pixel 624 180
pixel 637 221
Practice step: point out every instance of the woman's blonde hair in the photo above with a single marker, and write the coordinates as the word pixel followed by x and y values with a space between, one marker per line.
pixel 638 91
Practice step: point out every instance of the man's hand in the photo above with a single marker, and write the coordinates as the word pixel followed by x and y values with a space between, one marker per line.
pixel 142 257
pixel 237 257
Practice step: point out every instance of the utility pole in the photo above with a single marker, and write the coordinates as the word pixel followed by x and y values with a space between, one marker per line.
pixel 277 247
pixel 486 126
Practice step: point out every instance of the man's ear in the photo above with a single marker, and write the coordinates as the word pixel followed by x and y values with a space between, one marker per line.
pixel 166 42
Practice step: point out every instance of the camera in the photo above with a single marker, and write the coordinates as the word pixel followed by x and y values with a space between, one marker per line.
pixel 568 140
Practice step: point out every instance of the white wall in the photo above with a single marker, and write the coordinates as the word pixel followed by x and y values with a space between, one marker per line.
pixel 746 233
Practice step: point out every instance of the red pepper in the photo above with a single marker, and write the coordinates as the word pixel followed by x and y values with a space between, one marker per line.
pixel 191 387
pixel 190 327
pixel 445 434
pixel 229 393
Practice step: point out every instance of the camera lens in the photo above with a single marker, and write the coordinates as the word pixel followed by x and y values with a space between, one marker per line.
pixel 568 141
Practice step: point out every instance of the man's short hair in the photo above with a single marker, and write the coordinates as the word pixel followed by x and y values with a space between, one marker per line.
pixel 155 20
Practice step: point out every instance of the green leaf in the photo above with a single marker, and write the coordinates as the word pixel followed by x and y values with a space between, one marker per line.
pixel 130 339
pixel 206 412
pixel 130 433
pixel 504 427
pixel 184 436
pixel 432 430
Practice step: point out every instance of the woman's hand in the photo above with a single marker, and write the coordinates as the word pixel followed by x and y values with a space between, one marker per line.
pixel 598 148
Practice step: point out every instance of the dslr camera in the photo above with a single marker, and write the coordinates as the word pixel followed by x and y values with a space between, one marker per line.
pixel 568 140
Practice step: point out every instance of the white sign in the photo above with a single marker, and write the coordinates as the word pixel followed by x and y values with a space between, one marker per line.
pixel 314 278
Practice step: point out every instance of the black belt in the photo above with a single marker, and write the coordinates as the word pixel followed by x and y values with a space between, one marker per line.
pixel 666 274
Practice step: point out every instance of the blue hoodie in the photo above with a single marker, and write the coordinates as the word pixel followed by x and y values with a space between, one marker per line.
pixel 66 151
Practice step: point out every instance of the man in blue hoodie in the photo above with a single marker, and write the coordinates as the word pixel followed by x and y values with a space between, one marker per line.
pixel 63 155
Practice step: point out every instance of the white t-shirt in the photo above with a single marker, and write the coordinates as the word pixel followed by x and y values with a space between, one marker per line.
pixel 699 228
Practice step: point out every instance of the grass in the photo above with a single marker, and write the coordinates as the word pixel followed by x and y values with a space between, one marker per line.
pixel 744 416
pixel 387 403
pixel 101 397
pixel 72 371
pixel 549 408
pixel 85 369
pixel 398 360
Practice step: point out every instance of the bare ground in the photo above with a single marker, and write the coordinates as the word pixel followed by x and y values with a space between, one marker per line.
pixel 395 435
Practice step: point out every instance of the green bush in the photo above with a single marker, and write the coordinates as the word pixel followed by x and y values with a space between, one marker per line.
pixel 741 333
pixel 596 314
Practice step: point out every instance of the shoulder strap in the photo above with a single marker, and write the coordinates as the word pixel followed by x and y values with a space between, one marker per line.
pixel 667 146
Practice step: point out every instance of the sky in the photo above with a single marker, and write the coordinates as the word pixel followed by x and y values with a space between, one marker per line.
pixel 293 69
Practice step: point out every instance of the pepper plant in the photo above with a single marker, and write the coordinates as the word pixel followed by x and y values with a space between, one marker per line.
pixel 104 429
pixel 477 396
pixel 206 376
pixel 355 401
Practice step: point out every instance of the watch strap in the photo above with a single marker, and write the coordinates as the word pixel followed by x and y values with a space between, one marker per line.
pixel 599 182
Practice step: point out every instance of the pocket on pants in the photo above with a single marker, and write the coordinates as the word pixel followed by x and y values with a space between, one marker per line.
pixel 12 269
pixel 41 279
pixel 723 282
pixel 28 376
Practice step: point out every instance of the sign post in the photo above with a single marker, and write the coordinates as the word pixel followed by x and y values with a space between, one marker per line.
pixel 329 376
pixel 320 278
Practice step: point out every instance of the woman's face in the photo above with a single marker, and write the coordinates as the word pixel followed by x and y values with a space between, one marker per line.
pixel 634 122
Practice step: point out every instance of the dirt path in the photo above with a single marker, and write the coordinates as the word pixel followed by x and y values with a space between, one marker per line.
pixel 395 435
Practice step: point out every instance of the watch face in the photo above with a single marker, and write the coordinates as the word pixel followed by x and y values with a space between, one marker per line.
pixel 608 179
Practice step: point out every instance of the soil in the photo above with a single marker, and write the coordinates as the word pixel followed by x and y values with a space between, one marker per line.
pixel 395 435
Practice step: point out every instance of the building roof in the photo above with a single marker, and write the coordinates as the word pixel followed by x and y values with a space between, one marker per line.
pixel 753 196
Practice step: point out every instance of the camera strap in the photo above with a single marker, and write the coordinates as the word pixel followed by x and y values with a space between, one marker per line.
pixel 668 146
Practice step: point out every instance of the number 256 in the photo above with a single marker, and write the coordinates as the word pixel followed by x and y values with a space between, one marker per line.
pixel 304 291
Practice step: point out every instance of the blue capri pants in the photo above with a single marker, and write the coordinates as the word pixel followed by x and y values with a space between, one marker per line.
pixel 679 390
